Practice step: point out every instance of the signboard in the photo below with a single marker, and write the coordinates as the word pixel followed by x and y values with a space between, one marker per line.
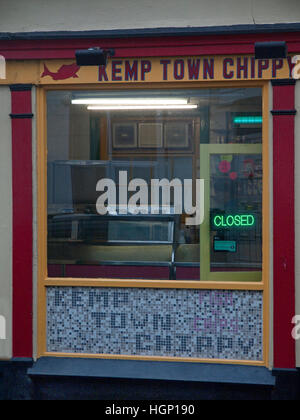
pixel 150 70
pixel 232 221
pixel 188 69
pixel 220 245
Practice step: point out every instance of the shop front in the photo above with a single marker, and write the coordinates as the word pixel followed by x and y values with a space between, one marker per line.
pixel 155 205
pixel 158 202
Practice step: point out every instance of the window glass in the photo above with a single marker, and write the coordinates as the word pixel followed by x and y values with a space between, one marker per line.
pixel 163 185
pixel 235 210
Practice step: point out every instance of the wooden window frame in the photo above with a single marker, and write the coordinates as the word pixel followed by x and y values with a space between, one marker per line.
pixel 44 281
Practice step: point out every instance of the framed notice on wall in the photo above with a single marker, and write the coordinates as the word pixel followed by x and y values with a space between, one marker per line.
pixel 150 135
pixel 176 135
pixel 124 135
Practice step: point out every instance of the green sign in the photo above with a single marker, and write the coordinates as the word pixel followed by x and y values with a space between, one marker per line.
pixel 250 119
pixel 229 246
pixel 223 221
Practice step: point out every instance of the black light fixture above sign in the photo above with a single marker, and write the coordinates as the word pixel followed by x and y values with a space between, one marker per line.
pixel 93 56
pixel 267 50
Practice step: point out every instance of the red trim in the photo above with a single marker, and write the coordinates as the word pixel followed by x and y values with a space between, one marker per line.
pixel 146 46
pixel 117 272
pixel 284 227
pixel 22 224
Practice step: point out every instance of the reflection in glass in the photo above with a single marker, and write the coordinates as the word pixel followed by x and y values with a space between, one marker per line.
pixel 235 212
pixel 86 146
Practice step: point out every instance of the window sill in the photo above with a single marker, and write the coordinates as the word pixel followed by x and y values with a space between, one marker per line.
pixel 152 370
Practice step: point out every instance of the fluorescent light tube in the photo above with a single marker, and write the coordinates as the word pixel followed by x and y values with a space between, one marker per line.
pixel 137 107
pixel 129 101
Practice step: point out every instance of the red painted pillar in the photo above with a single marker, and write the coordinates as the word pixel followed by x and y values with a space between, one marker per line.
pixel 21 120
pixel 284 221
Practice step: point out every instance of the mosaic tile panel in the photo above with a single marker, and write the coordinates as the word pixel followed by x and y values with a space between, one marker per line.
pixel 155 322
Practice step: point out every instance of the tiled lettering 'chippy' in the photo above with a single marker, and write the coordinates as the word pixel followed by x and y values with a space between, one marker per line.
pixel 155 322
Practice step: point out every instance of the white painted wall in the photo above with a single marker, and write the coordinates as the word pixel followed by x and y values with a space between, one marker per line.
pixel 297 209
pixel 5 221
pixel 76 15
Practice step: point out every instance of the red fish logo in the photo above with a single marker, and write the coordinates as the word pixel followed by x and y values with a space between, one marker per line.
pixel 66 71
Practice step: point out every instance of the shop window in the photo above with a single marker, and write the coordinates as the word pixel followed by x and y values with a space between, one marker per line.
pixel 160 185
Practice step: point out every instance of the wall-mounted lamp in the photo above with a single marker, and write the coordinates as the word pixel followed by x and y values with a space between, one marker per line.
pixel 264 50
pixel 93 56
